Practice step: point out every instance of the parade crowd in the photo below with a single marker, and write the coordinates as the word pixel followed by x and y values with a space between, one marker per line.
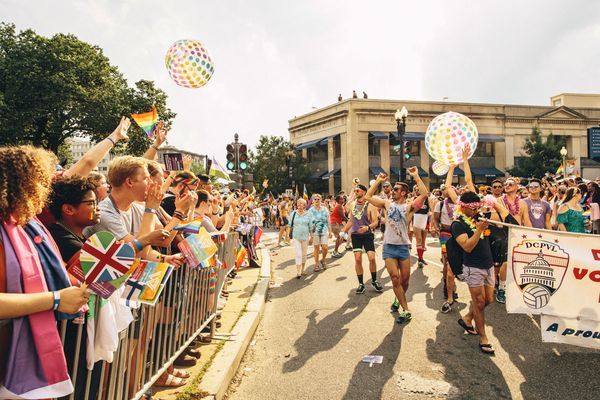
pixel 47 214
pixel 473 248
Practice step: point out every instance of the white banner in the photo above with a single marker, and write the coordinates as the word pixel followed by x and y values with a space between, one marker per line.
pixel 573 331
pixel 553 273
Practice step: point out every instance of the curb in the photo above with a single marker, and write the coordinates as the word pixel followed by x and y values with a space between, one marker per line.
pixel 225 365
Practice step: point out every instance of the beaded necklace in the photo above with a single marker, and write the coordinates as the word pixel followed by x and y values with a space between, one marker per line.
pixel 358 214
pixel 513 208
pixel 470 222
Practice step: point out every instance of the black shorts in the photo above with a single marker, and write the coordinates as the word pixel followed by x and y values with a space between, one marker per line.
pixel 360 242
pixel 499 247
pixel 284 221
pixel 382 227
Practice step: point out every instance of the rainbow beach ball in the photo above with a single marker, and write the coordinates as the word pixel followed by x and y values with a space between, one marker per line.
pixel 189 63
pixel 447 135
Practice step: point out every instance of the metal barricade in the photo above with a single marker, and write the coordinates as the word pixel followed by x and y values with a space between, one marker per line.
pixel 157 336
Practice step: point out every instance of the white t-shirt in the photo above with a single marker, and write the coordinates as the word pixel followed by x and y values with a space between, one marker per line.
pixel 441 208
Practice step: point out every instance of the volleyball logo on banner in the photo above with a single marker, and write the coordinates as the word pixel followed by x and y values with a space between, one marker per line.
pixel 103 259
pixel 539 268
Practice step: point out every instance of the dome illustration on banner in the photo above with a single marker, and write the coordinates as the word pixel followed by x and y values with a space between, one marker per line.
pixel 439 168
pixel 448 134
pixel 189 63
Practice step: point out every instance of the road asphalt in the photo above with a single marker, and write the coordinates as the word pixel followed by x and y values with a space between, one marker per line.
pixel 316 330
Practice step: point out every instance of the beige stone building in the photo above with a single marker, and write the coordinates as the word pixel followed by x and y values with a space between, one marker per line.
pixel 358 138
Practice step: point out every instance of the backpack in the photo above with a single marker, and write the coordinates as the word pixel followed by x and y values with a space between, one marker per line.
pixel 455 253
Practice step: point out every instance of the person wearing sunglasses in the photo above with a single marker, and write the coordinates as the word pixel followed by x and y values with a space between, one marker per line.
pixel 538 212
pixel 497 188
pixel 362 221
pixel 320 231
pixel 396 243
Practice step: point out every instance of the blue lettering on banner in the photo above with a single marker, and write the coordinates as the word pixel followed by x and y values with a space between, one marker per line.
pixel 594 142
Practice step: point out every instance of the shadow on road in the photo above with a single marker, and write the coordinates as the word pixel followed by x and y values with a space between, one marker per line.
pixel 368 382
pixel 324 335
pixel 558 370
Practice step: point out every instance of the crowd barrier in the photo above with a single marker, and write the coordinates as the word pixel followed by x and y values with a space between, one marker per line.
pixel 157 336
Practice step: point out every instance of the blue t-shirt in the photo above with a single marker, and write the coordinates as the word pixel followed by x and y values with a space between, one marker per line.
pixel 300 225
pixel 320 221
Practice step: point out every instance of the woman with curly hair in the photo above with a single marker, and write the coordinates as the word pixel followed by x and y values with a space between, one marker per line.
pixel 33 281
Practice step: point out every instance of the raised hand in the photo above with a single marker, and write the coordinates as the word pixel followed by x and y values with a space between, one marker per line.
pixel 184 202
pixel 382 177
pixel 413 171
pixel 120 132
pixel 187 162
pixel 161 134
pixel 154 195
pixel 465 152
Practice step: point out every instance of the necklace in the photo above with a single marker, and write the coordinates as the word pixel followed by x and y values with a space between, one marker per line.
pixel 358 214
pixel 470 222
pixel 449 209
pixel 513 208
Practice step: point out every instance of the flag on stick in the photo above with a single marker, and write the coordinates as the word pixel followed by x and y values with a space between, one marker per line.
pixel 147 121
pixel 560 170
pixel 217 170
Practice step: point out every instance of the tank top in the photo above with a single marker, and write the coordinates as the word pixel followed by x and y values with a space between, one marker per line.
pixel 336 217
pixel 363 220
pixel 424 208
pixel 396 230
pixel 537 212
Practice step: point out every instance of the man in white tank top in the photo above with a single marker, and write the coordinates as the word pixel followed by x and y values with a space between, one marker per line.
pixel 396 244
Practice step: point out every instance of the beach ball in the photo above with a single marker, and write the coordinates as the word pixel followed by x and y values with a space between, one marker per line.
pixel 439 168
pixel 189 63
pixel 447 135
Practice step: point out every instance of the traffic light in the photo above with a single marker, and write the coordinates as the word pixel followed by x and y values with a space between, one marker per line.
pixel 231 159
pixel 243 157
pixel 407 150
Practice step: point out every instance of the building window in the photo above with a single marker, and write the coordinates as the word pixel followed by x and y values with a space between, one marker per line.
pixel 374 147
pixel 485 149
pixel 317 153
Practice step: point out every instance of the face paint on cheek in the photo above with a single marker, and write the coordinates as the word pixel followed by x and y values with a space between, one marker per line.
pixel 92 216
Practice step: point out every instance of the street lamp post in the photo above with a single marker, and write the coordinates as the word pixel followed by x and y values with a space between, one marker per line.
pixel 400 116
pixel 289 155
pixel 563 153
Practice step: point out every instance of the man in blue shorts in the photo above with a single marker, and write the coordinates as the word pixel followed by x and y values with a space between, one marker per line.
pixel 396 244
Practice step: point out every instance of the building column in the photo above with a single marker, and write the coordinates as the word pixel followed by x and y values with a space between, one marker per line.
pixel 330 164
pixel 509 147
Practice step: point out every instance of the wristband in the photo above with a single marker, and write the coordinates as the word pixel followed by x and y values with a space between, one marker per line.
pixel 112 141
pixel 137 245
pixel 179 215
pixel 155 147
pixel 56 295
pixel 150 210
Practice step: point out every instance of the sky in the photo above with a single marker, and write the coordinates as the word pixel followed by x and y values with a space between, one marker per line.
pixel 275 59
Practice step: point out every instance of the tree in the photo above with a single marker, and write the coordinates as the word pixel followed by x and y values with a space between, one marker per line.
pixel 55 88
pixel 543 155
pixel 272 159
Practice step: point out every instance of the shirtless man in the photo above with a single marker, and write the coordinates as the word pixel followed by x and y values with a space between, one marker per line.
pixel 363 219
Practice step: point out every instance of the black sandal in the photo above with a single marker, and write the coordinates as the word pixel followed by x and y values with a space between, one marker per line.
pixel 469 329
pixel 487 348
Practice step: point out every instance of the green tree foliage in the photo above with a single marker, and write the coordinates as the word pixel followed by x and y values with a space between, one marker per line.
pixel 55 88
pixel 542 155
pixel 270 160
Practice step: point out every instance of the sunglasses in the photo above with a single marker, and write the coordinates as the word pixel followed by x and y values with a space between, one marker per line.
pixel 397 189
pixel 534 186
pixel 508 184
pixel 497 187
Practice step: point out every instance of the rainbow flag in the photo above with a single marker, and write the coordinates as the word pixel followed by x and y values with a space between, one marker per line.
pixel 560 170
pixel 240 256
pixel 147 121
pixel 190 227
pixel 305 194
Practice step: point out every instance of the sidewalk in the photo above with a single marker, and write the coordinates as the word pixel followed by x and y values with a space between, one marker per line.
pixel 245 288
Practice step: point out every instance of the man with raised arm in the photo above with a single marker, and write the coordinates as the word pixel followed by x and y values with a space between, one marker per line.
pixel 396 244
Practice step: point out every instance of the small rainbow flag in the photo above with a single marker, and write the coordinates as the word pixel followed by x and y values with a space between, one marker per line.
pixel 305 194
pixel 190 227
pixel 240 256
pixel 186 181
pixel 147 121
pixel 559 170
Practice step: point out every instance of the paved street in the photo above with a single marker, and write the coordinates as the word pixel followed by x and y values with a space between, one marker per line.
pixel 315 332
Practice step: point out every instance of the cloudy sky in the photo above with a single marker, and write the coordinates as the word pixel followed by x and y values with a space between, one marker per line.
pixel 278 59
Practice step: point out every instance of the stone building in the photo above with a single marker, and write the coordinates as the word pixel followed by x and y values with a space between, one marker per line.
pixel 358 138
